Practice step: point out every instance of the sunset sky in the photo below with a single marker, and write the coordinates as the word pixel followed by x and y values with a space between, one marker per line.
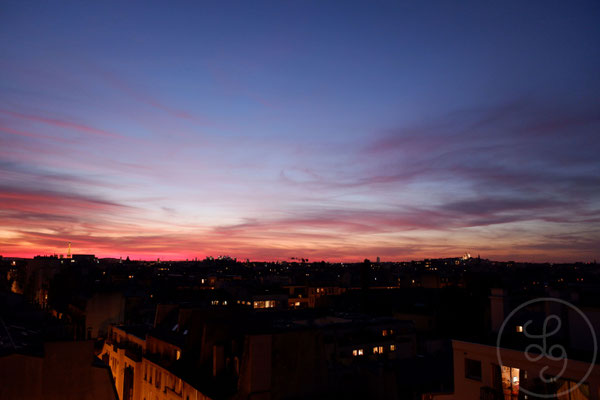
pixel 325 130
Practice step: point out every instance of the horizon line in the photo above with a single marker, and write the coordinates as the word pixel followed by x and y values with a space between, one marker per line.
pixel 289 260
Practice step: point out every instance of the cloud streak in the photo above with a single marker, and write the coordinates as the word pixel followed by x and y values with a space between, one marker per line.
pixel 494 194
pixel 59 123
pixel 277 136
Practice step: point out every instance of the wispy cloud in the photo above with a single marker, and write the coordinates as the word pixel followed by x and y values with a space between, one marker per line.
pixel 442 187
pixel 60 123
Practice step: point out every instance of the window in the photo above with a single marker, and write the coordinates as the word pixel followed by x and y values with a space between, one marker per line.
pixel 392 347
pixel 519 328
pixel 571 390
pixel 506 380
pixel 378 350
pixel 177 355
pixel 357 352
pixel 473 369
pixel 265 304
pixel 384 332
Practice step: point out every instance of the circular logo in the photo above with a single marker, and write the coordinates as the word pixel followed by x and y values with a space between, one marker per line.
pixel 536 352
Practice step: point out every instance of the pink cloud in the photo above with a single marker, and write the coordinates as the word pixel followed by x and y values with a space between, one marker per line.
pixel 21 133
pixel 62 124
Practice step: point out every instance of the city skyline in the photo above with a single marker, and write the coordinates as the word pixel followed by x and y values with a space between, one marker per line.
pixel 332 132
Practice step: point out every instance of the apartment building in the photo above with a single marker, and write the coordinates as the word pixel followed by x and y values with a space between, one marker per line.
pixel 479 375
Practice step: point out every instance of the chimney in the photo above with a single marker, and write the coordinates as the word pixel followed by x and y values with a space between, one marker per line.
pixel 162 310
pixel 498 308
pixel 218 359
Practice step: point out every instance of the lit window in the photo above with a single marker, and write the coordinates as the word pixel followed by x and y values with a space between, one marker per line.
pixel 392 347
pixel 510 380
pixel 178 355
pixel 384 332
pixel 360 352
pixel 224 302
pixel 354 353
pixel 297 304
pixel 520 328
pixel 378 350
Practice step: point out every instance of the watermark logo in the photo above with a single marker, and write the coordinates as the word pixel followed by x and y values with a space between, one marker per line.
pixel 551 359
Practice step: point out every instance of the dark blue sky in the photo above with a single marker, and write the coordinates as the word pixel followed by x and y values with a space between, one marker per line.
pixel 334 130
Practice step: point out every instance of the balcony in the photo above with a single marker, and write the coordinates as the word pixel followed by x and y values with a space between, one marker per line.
pixel 489 393
pixel 170 390
pixel 133 354
pixel 132 351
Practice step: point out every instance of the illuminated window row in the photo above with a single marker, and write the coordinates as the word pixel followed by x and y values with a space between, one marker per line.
pixel 265 304
pixel 376 350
